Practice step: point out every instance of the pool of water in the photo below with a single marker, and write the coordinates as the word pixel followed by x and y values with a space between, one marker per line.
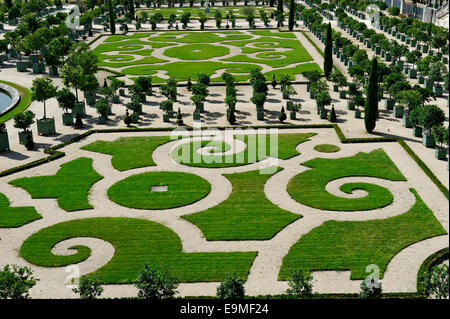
pixel 5 100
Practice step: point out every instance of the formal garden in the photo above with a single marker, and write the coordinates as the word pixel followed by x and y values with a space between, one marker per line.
pixel 224 148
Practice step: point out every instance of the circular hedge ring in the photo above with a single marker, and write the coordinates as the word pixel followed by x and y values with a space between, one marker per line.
pixel 159 190
pixel 327 148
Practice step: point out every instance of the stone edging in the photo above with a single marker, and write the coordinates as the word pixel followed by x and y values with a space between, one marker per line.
pixel 13 93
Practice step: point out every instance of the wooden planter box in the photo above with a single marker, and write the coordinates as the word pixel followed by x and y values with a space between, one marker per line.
pixel 22 136
pixel 166 117
pixel 398 111
pixel 429 84
pixel 101 120
pixel 424 48
pixel 440 154
pixel 438 91
pixel 260 115
pixel 428 141
pixel 323 113
pixel 67 119
pixel 90 99
pixel 196 116
pixel 335 88
pixel 4 141
pixel 21 66
pixel 53 70
pixel 389 104
pixel 417 131
pixel 38 68
pixel 406 121
pixel 46 126
pixel 122 92
pixel 116 99
pixel 357 114
pixel 293 115
pixel 412 73
pixel 342 95
pixel 350 105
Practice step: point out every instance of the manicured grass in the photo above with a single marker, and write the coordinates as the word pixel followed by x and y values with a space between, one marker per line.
pixel 136 242
pixel 197 51
pixel 246 215
pixel 209 44
pixel 25 101
pixel 183 189
pixel 327 148
pixel 70 185
pixel 129 152
pixel 308 188
pixel 15 216
pixel 282 146
pixel 353 245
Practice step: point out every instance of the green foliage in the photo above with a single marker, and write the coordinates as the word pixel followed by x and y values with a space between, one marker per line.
pixel 431 115
pixel 300 284
pixel 88 288
pixel 282 116
pixel 435 282
pixel 231 288
pixel 328 59
pixel 43 90
pixel 15 282
pixel 70 185
pixel 352 245
pixel 66 99
pixel 24 120
pixel 136 242
pixel 371 106
pixel 15 216
pixel 327 148
pixel 332 117
pixel 155 284
pixel 373 292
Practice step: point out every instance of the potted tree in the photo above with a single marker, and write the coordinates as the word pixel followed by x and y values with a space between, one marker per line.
pixel 41 91
pixel 259 98
pixel 436 75
pixel 408 100
pixel 294 108
pixel 74 77
pixel 135 107
pixel 89 87
pixel 431 116
pixel 102 106
pixel 23 121
pixel 179 118
pixel 66 101
pixel 414 116
pixel 439 136
pixel 167 107
pixel 4 141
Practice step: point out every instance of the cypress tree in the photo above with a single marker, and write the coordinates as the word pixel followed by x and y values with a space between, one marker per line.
pixel 131 8
pixel 291 15
pixel 272 3
pixel 371 106
pixel 328 59
pixel 280 5
pixel 332 117
pixel 112 18
pixel 8 3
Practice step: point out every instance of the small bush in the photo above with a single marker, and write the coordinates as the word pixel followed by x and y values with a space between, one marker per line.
pixel 435 283
pixel 231 288
pixel 154 283
pixel 282 116
pixel 16 282
pixel 300 284
pixel 373 292
pixel 88 288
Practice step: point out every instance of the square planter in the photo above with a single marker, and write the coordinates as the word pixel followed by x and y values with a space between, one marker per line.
pixel 350 105
pixel 293 115
pixel 116 99
pixel 196 116
pixel 400 63
pixel 53 70
pixel 323 113
pixel 429 84
pixel 389 104
pixel 79 109
pixel 335 88
pixel 440 154
pixel 166 117
pixel 398 111
pixel 260 115
pixel 90 99
pixel 412 73
pixel 421 79
pixel 413 42
pixel 377 50
pixel 428 141
pixel 101 120
pixel 417 131
pixel 438 91
pixel 357 114
pixel 134 117
pixel 406 121
pixel 67 118
pixel 22 136
pixel 46 126
pixel 4 142
pixel 122 92
pixel 38 68
pixel 424 48
pixel 342 94
pixel 388 57
pixel 21 66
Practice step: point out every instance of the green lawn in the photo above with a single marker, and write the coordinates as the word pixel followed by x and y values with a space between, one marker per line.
pixel 353 245
pixel 117 52
pixel 246 215
pixel 70 185
pixel 129 152
pixel 284 148
pixel 136 242
pixel 308 188
pixel 11 217
pixel 327 148
pixel 183 189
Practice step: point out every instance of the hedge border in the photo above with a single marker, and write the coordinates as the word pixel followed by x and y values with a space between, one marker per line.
pixel 54 154
pixel 431 261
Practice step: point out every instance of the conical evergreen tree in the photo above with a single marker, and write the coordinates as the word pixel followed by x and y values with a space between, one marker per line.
pixel 328 58
pixel 112 18
pixel 131 8
pixel 332 117
pixel 282 116
pixel 280 5
pixel 291 15
pixel 371 106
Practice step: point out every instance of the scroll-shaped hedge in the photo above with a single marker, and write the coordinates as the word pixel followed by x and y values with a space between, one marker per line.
pixel 308 188
pixel 136 242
